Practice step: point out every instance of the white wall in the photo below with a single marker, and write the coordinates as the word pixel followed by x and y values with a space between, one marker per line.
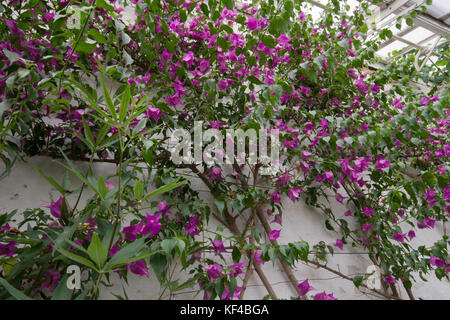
pixel 25 188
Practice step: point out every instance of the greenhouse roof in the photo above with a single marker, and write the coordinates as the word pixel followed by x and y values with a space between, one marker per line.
pixel 423 30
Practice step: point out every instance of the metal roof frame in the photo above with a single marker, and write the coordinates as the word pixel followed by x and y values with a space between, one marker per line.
pixel 385 15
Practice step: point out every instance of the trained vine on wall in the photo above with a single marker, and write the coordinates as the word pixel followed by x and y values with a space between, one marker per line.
pixel 80 83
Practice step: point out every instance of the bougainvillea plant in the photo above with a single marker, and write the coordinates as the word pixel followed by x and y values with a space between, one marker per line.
pixel 81 83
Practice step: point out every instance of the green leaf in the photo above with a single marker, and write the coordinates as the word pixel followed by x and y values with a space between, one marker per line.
pixel 76 258
pixel 97 36
pixel 229 4
pixel 49 179
pixel 141 256
pixel 124 104
pixel 254 80
pixel 273 254
pixel 66 181
pixel 429 178
pixel 181 245
pixel 303 249
pixel 357 280
pixel 62 292
pixel 269 41
pixel 159 264
pixel 125 38
pixel 236 255
pixel 4 105
pixel 19 295
pixel 12 56
pixel 328 225
pixel 168 244
pixel 97 251
pixel 127 252
pixel 278 25
pixel 107 97
pixel 86 47
pixel 219 286
pixel 172 185
pixel 220 205
pixel 23 73
pixel 102 187
pixel 138 190
pixel 88 134
pixel 139 126
pixel 73 169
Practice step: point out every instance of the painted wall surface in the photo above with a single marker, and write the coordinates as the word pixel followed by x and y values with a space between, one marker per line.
pixel 25 188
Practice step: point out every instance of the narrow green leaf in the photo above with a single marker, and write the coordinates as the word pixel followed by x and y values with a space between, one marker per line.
pixel 49 179
pixel 107 97
pixel 138 190
pixel 19 295
pixel 76 258
pixel 172 185
pixel 124 104
pixel 97 251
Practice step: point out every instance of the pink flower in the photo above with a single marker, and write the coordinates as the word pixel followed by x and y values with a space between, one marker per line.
pixel 216 173
pixel 306 155
pixel 153 225
pixel 329 176
pixel 188 58
pixel 367 226
pixel 252 23
pixel 218 246
pixel 304 288
pixel 411 234
pixel 192 227
pixel 166 56
pixel 339 244
pixel 55 208
pixel 275 197
pixel 375 88
pixel 389 279
pixel 427 223
pixel 283 40
pixel 382 163
pixel 8 249
pixel 130 233
pixel 274 235
pixel 225 84
pixel 340 198
pixel 324 296
pixel 51 280
pixel 437 262
pixel 398 237
pixel 368 212
pixel 109 185
pixel 236 269
pixel 154 113
pixel 214 271
pixel 348 213
pixel 138 267
pixel 430 197
pixel 257 256
pixel 447 193
pixel 277 219
pixel 294 193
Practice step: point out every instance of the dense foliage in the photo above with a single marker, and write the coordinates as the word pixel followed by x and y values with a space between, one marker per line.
pixel 100 89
